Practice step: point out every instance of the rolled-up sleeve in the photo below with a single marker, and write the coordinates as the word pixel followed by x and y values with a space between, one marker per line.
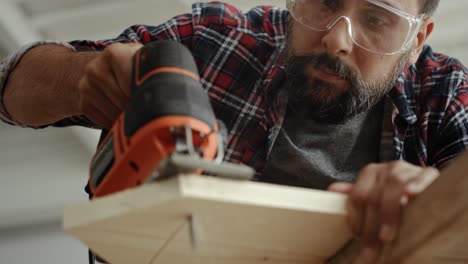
pixel 8 64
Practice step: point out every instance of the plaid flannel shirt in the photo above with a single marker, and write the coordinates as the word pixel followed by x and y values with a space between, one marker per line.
pixel 240 60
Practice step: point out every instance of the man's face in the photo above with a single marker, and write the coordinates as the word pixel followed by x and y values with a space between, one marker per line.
pixel 334 78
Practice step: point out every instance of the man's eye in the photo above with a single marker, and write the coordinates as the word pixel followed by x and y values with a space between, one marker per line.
pixel 331 4
pixel 375 21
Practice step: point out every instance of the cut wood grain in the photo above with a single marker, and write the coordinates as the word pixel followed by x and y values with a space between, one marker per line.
pixel 198 219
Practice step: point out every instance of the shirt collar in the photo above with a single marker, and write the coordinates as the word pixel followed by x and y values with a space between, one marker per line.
pixel 276 74
pixel 401 94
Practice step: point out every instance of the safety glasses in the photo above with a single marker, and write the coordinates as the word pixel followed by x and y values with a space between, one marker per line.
pixel 374 25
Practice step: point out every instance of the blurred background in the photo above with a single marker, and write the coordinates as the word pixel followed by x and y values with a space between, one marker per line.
pixel 42 170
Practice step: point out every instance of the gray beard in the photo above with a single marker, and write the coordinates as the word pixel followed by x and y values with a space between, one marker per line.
pixel 358 98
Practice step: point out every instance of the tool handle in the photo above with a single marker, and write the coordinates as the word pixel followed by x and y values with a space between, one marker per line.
pixel 166 83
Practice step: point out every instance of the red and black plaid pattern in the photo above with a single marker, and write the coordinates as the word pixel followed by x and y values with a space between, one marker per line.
pixel 239 55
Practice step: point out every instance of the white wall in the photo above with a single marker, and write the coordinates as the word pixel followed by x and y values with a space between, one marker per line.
pixel 40 244
pixel 40 172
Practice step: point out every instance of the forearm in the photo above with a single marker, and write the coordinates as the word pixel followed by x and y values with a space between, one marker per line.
pixel 43 87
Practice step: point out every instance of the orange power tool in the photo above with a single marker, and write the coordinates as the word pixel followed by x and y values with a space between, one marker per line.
pixel 168 127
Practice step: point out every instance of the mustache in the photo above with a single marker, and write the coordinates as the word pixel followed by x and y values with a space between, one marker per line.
pixel 297 64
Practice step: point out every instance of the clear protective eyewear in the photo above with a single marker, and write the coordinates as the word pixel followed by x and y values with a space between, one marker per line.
pixel 374 26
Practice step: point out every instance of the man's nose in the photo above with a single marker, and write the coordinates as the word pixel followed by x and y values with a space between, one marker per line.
pixel 337 41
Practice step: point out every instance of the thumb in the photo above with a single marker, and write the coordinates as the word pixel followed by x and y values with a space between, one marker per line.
pixel 341 187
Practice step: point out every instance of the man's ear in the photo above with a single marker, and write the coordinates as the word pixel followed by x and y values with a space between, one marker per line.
pixel 423 34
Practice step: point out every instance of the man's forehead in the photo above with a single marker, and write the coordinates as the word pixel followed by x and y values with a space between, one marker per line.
pixel 409 6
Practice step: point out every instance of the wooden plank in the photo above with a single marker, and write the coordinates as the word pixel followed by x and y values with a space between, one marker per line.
pixel 435 224
pixel 193 219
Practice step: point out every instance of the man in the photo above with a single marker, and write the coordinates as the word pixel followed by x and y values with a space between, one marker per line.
pixel 310 95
